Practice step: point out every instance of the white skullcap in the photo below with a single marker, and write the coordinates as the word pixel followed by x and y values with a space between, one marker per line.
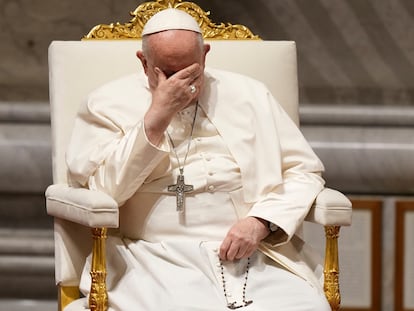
pixel 170 19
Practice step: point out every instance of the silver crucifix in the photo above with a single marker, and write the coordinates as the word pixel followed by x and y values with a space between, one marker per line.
pixel 180 189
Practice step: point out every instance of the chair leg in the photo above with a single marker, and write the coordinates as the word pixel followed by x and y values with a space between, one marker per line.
pixel 331 269
pixel 98 298
pixel 67 294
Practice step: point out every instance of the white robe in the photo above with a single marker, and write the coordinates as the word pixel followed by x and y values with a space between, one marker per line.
pixel 278 172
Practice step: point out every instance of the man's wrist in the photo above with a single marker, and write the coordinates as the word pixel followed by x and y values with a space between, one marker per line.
pixel 271 227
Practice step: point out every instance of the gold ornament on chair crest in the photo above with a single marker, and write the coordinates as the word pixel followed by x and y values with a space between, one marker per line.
pixel 133 29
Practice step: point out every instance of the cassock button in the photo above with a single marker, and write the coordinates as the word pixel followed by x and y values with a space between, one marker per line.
pixel 211 188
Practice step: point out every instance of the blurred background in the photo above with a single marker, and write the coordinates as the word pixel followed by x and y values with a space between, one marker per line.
pixel 356 78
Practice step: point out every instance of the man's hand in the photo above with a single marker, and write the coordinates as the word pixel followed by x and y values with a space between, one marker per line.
pixel 243 238
pixel 171 95
pixel 172 92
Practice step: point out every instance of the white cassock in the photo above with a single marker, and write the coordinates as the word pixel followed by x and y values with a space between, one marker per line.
pixel 246 158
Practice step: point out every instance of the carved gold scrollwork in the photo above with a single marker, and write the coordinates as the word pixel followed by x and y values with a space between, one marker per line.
pixel 133 29
pixel 98 298
pixel 331 269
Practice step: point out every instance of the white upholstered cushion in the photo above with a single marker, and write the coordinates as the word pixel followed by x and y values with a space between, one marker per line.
pixel 331 208
pixel 86 207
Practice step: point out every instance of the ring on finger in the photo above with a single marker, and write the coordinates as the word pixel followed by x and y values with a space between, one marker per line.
pixel 193 89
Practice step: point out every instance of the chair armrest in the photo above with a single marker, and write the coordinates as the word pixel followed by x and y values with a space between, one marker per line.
pixel 331 208
pixel 89 208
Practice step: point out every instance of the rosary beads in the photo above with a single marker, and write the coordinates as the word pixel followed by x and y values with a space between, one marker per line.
pixel 234 305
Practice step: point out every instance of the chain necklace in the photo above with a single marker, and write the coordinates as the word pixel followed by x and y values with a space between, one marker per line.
pixel 233 305
pixel 180 188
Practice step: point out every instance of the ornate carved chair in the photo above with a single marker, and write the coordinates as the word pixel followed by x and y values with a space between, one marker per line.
pixel 76 67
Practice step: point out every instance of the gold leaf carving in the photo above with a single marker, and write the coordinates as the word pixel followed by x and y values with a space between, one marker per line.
pixel 331 288
pixel 331 268
pixel 98 297
pixel 133 29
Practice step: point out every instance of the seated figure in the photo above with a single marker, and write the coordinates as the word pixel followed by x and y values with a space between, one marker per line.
pixel 213 178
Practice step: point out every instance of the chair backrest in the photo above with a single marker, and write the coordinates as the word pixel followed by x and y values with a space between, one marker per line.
pixel 78 67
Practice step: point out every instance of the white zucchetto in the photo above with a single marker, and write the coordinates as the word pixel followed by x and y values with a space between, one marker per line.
pixel 170 19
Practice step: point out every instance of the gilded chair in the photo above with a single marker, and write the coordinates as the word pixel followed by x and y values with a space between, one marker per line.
pixel 83 217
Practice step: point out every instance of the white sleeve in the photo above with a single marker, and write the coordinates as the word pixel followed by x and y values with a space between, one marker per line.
pixel 107 156
pixel 289 202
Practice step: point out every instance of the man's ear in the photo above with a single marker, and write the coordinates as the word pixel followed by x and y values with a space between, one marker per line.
pixel 206 50
pixel 143 60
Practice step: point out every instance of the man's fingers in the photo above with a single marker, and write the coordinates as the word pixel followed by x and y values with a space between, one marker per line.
pixel 160 75
pixel 243 239
pixel 190 73
pixel 232 252
pixel 225 245
pixel 229 250
pixel 187 80
pixel 232 249
pixel 244 251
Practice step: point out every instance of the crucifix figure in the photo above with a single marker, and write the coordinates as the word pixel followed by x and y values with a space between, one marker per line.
pixel 180 189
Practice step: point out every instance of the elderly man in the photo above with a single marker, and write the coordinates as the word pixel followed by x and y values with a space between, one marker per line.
pixel 213 179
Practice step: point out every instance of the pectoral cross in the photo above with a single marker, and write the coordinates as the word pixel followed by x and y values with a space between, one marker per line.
pixel 180 189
